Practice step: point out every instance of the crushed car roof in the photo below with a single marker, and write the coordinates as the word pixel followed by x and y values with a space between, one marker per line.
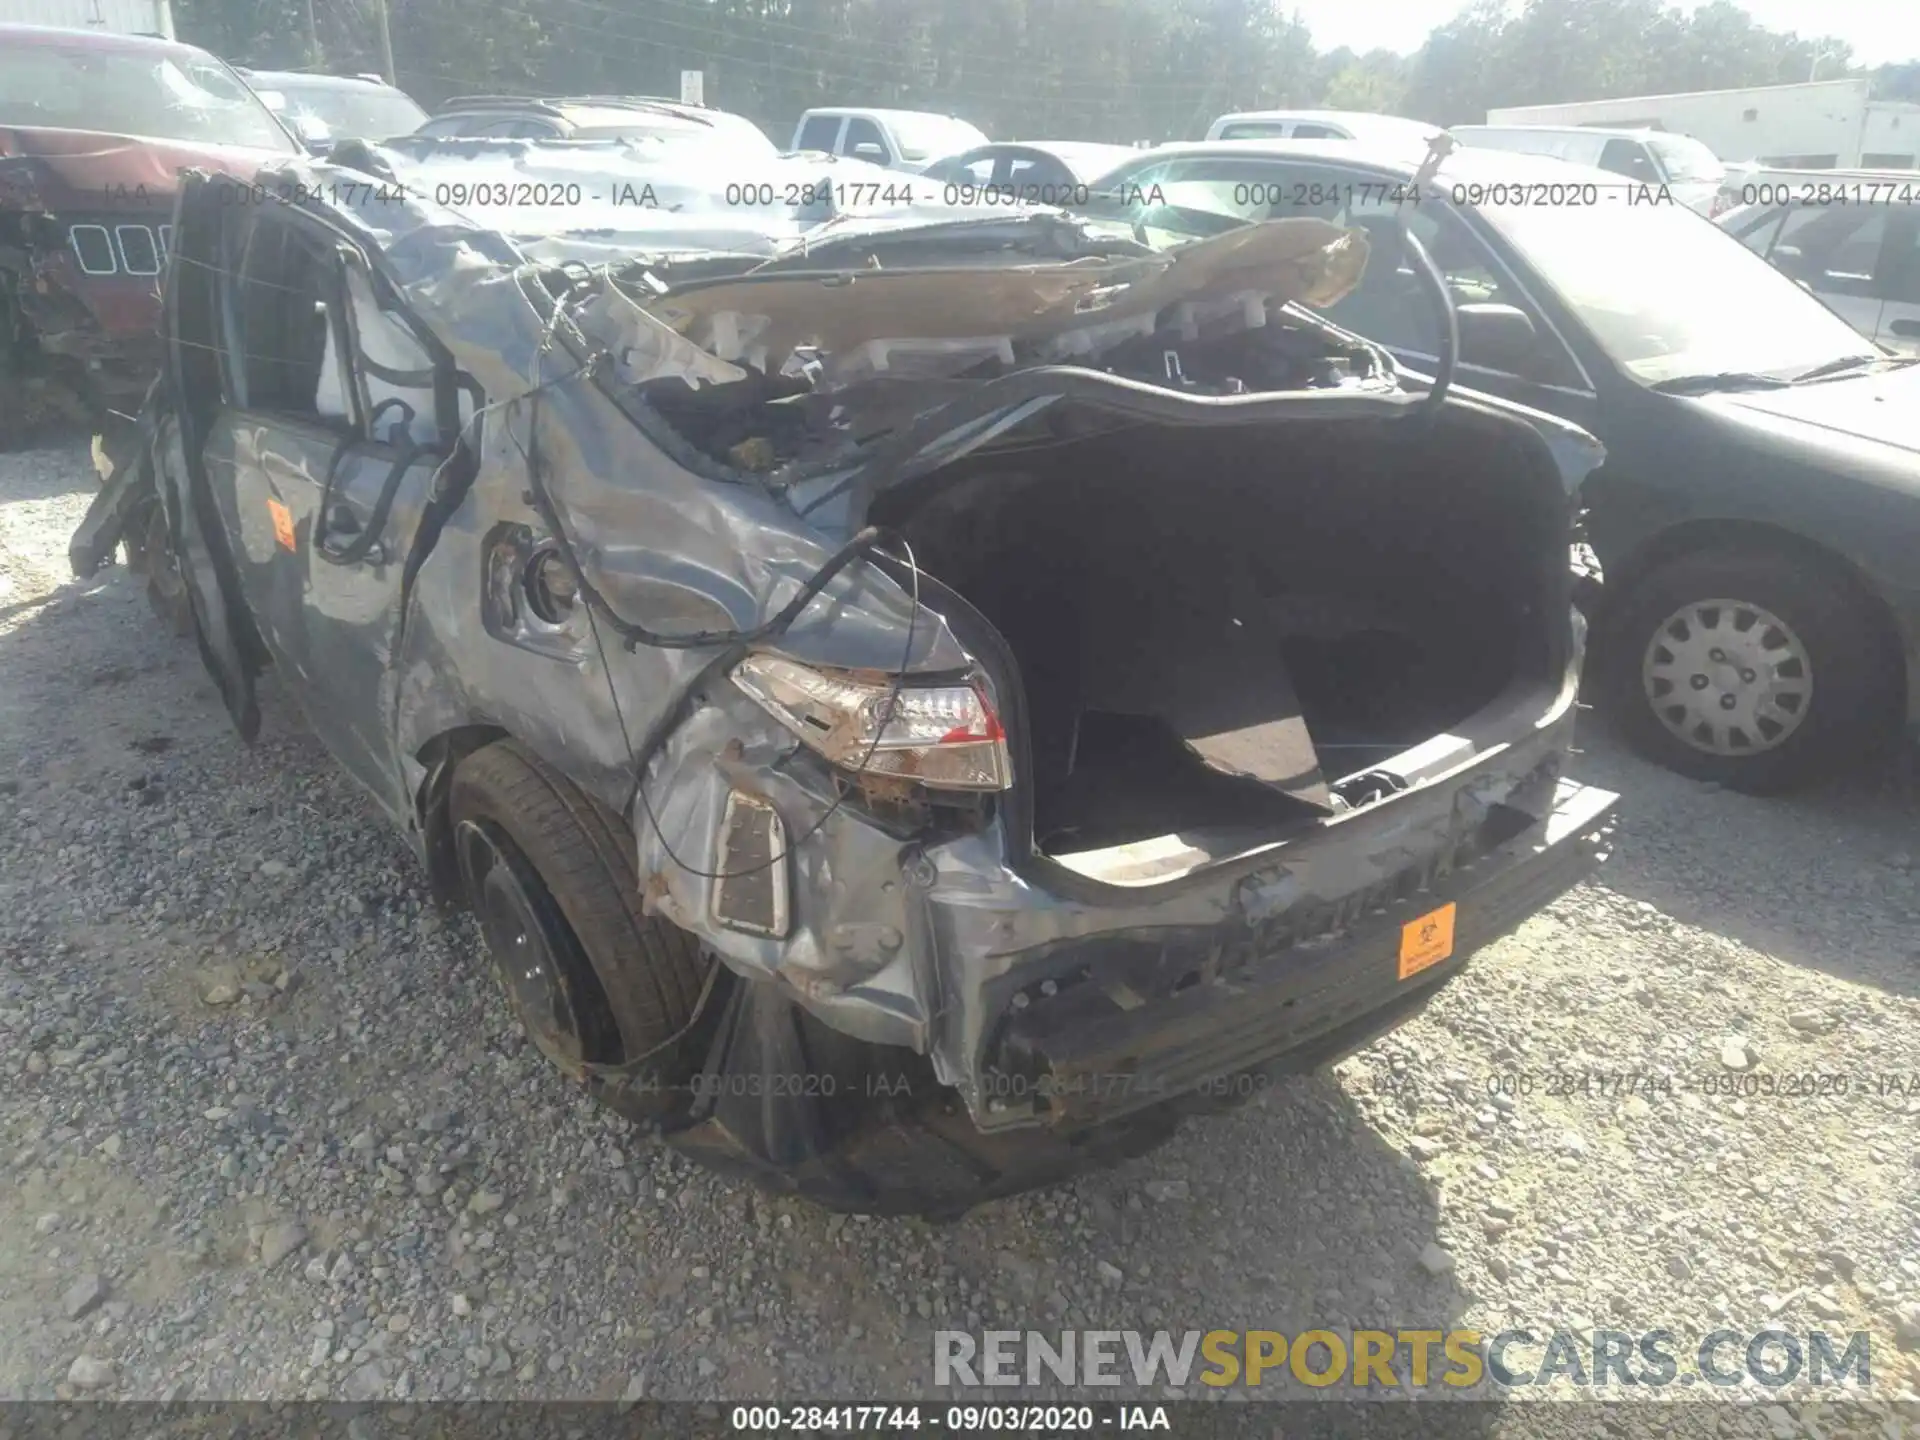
pixel 750 278
pixel 821 281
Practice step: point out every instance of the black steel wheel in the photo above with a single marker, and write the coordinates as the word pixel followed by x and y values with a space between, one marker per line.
pixel 595 981
pixel 548 978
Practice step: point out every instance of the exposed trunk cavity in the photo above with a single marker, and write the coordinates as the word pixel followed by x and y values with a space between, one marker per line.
pixel 1217 626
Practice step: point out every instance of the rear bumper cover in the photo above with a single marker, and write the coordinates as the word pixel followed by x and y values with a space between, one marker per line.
pixel 866 1132
pixel 1081 1055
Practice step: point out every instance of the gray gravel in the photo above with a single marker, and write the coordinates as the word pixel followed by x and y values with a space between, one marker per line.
pixel 267 1131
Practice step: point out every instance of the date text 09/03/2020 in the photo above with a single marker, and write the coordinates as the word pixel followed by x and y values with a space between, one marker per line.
pixel 952 1419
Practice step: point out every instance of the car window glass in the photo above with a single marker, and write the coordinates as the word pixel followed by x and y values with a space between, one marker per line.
pixel 975 171
pixel 1037 178
pixel 1686 159
pixel 1307 131
pixel 1901 277
pixel 1630 158
pixel 819 133
pixel 285 302
pixel 1759 233
pixel 1663 292
pixel 864 132
pixel 388 363
pixel 1256 130
pixel 1390 305
pixel 1832 249
pixel 353 111
pixel 1182 200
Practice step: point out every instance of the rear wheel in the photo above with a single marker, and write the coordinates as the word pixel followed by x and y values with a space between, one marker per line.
pixel 595 981
pixel 1760 671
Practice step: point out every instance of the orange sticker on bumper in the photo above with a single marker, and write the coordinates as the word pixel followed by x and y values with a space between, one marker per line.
pixel 282 523
pixel 1426 941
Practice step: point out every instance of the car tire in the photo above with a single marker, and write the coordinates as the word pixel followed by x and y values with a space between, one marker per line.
pixel 596 982
pixel 1802 675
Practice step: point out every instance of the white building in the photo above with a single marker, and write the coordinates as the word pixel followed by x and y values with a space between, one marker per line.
pixel 1824 125
pixel 111 17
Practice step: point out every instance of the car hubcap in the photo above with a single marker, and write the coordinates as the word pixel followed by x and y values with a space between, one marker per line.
pixel 1727 677
pixel 545 975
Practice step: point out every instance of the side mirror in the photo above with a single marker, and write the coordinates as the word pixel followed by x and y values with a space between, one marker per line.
pixel 1498 337
pixel 867 150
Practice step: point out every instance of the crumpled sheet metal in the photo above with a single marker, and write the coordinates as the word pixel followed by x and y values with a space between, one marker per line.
pixel 733 547
pixel 446 265
pixel 646 348
pixel 844 878
pixel 771 316
pixel 615 201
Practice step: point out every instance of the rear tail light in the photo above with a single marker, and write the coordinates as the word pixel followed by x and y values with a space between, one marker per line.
pixel 945 737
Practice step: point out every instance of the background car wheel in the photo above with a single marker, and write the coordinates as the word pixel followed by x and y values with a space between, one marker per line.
pixel 1759 671
pixel 550 872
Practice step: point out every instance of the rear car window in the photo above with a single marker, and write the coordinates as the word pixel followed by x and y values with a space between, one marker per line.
pixel 1629 158
pixel 1686 159
pixel 352 111
pixel 1256 130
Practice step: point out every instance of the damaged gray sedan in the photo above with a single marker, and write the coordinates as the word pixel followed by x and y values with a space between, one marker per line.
pixel 920 700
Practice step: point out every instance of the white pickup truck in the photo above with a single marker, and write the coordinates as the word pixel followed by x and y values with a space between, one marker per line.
pixel 898 139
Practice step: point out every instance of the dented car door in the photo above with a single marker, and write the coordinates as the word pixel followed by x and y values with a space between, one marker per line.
pixel 321 483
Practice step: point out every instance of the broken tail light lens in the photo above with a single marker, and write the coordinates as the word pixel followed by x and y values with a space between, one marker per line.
pixel 945 737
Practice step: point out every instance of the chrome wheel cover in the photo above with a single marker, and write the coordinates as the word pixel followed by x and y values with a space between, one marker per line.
pixel 1727 677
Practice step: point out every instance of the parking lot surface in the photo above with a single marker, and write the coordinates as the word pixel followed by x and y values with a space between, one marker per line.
pixel 267 1130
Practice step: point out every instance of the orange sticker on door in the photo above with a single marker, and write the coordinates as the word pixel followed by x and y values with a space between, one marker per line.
pixel 282 523
pixel 1426 941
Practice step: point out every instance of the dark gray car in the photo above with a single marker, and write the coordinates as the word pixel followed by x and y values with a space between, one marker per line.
pixel 920 699
pixel 1759 625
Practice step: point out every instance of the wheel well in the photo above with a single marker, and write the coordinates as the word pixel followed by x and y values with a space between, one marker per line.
pixel 1694 537
pixel 441 755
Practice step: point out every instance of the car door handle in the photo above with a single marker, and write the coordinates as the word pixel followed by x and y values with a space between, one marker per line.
pixel 1905 327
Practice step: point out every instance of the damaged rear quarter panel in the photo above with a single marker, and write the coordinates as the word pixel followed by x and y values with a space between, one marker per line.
pixel 681 545
pixel 678 552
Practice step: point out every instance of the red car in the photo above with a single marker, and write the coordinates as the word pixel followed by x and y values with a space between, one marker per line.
pixel 94 130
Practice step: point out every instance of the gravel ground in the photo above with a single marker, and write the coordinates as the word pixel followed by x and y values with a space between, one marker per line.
pixel 267 1131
